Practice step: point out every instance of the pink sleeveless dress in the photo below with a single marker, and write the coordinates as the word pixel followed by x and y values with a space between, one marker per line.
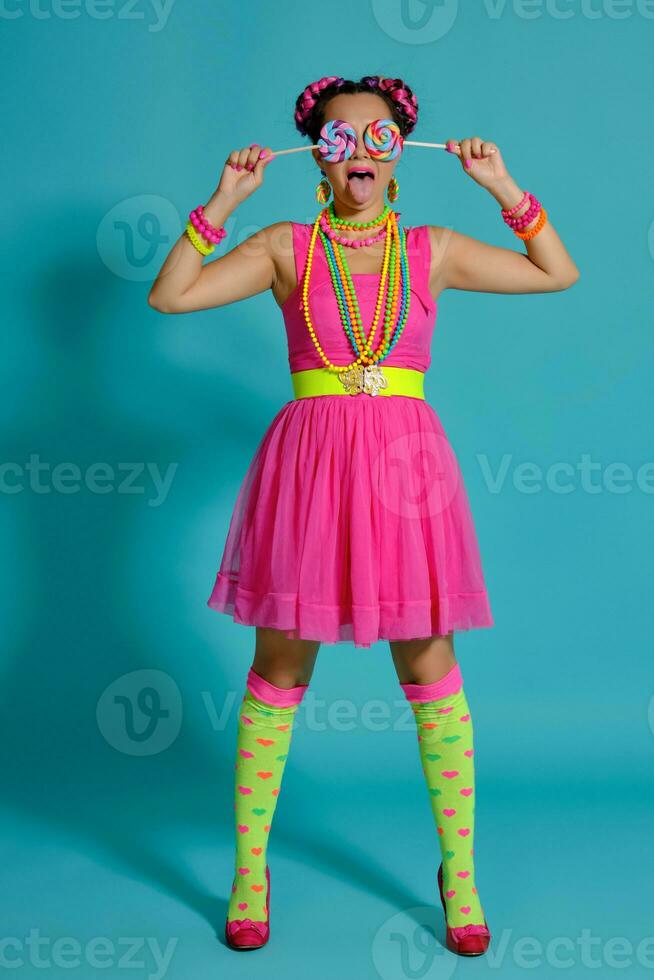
pixel 352 522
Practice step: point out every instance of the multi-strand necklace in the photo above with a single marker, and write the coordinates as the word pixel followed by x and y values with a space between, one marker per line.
pixel 393 296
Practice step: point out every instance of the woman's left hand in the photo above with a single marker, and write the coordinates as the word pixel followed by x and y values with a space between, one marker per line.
pixel 484 161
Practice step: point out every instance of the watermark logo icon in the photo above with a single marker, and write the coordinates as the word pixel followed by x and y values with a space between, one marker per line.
pixel 140 713
pixel 415 21
pixel 405 947
pixel 135 236
pixel 417 475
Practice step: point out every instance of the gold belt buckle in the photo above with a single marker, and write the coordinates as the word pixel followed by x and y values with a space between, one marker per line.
pixel 368 379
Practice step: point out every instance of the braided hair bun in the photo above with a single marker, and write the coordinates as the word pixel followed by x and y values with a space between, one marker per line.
pixel 310 104
pixel 402 98
pixel 314 93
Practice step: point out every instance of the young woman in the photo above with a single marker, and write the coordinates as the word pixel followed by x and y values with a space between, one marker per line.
pixel 352 522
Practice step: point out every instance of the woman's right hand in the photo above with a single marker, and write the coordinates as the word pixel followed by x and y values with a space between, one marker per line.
pixel 243 173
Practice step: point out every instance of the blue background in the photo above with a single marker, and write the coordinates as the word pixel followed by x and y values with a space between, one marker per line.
pixel 114 118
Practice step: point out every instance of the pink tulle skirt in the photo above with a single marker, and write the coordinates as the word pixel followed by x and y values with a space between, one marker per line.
pixel 352 523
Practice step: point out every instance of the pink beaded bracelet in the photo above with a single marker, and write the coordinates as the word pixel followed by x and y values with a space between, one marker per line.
pixel 205 228
pixel 506 213
pixel 524 219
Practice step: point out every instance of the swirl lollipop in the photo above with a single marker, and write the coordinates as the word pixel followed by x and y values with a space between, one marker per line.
pixel 337 141
pixel 383 139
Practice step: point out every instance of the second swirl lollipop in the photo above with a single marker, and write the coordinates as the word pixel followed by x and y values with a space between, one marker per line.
pixel 383 139
pixel 337 141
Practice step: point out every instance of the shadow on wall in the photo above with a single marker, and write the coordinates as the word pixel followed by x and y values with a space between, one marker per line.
pixel 79 619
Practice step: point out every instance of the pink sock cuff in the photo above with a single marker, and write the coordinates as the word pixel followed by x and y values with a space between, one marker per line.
pixel 281 697
pixel 449 684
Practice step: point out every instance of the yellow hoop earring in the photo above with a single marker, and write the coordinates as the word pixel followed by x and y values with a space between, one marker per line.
pixel 323 191
pixel 393 190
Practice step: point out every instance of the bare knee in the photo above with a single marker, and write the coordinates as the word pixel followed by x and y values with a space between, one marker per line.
pixel 283 662
pixel 423 661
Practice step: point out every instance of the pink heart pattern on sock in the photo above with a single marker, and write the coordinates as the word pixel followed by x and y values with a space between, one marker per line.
pixel 264 735
pixel 444 733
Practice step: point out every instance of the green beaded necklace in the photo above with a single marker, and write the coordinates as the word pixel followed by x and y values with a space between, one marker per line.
pixel 351 312
pixel 335 221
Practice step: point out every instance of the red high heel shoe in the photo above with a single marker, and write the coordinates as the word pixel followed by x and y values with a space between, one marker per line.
pixel 246 934
pixel 470 940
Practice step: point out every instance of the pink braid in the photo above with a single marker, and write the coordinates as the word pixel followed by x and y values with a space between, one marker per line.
pixel 401 94
pixel 307 100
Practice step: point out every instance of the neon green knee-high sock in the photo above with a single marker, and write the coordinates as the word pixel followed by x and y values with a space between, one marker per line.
pixel 265 726
pixel 445 738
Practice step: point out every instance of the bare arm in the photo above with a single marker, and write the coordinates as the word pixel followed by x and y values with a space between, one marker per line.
pixel 462 262
pixel 246 270
pixel 184 284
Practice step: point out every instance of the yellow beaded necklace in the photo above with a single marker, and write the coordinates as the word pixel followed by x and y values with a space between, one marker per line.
pixel 368 357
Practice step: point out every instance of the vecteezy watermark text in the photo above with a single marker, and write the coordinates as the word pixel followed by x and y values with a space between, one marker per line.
pixel 405 946
pixel 427 21
pixel 563 477
pixel 98 477
pixel 156 12
pixel 140 713
pixel 99 953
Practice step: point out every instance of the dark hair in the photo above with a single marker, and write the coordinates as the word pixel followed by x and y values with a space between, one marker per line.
pixel 310 104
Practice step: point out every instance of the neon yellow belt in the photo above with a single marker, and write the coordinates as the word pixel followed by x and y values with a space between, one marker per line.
pixel 371 379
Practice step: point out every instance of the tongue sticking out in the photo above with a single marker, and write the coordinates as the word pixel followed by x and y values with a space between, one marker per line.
pixel 361 188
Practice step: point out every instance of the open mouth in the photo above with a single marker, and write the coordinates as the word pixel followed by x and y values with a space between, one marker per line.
pixel 361 183
pixel 360 173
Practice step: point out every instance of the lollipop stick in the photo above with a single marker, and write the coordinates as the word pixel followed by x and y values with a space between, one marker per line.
pixel 296 149
pixel 438 146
